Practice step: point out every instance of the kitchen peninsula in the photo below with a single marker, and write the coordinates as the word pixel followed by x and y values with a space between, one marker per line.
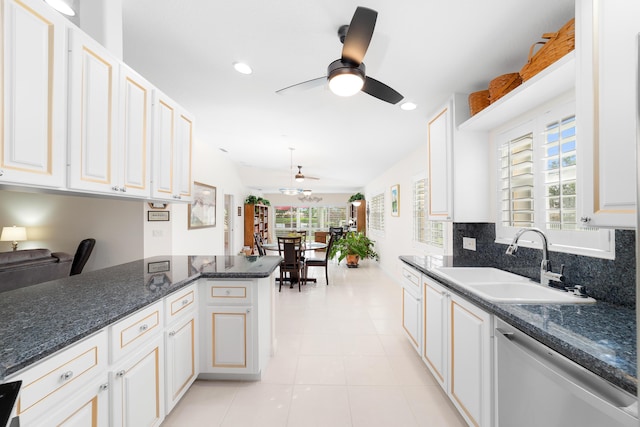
pixel 132 310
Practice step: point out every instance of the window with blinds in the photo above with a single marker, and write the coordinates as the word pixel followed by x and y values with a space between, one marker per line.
pixel 538 178
pixel 559 171
pixel 516 160
pixel 376 212
pixel 424 231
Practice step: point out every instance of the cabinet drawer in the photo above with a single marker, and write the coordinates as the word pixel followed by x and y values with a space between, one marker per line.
pixel 49 383
pixel 410 277
pixel 228 292
pixel 180 303
pixel 128 334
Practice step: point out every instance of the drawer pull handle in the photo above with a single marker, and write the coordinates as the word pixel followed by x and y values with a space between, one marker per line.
pixel 144 327
pixel 185 302
pixel 66 376
pixel 121 373
pixel 172 333
pixel 104 386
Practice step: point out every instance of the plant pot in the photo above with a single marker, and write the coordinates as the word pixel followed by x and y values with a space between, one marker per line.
pixel 352 261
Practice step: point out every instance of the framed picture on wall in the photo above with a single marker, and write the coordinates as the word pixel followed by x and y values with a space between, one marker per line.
pixel 202 211
pixel 395 200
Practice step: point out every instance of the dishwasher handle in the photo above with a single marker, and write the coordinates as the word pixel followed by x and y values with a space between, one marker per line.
pixel 579 381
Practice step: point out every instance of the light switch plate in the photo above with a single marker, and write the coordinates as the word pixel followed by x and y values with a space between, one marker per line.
pixel 469 243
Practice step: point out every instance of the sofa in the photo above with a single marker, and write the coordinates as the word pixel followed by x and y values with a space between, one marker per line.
pixel 31 266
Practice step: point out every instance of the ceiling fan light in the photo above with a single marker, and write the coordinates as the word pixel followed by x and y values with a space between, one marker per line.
pixel 242 68
pixel 299 177
pixel 408 106
pixel 61 6
pixel 346 84
pixel 306 192
pixel 290 191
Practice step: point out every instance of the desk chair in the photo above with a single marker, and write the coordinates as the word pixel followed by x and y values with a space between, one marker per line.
pixel 289 250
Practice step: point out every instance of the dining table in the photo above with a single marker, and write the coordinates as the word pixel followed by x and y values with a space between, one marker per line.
pixel 307 246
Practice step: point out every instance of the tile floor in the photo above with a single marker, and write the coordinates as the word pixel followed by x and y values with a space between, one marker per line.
pixel 342 360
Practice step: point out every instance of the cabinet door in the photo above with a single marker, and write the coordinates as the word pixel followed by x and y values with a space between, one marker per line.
pixel 435 345
pixel 138 387
pixel 164 113
pixel 229 340
pixel 86 408
pixel 440 146
pixel 134 174
pixel 411 317
pixel 182 359
pixel 33 88
pixel 184 139
pixel 470 361
pixel 93 81
pixel 606 97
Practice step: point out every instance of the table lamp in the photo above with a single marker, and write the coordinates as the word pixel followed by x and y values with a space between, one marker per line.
pixel 13 234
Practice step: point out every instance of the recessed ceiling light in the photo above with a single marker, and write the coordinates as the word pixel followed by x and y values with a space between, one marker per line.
pixel 242 68
pixel 61 6
pixel 408 106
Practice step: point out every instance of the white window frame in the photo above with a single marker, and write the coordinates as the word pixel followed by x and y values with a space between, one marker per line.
pixel 599 244
pixel 426 246
pixel 371 200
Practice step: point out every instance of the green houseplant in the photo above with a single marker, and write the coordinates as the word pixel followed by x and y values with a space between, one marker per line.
pixel 357 196
pixel 353 246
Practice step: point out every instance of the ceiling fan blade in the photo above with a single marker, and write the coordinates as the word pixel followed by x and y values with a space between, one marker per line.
pixel 381 91
pixel 359 34
pixel 299 87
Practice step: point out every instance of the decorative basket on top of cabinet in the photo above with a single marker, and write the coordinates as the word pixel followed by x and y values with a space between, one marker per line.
pixel 557 45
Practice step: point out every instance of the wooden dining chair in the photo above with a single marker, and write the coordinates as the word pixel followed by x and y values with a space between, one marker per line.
pixel 258 241
pixel 320 262
pixel 289 249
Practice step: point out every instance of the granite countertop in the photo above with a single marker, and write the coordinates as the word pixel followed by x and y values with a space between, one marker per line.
pixel 600 337
pixel 41 319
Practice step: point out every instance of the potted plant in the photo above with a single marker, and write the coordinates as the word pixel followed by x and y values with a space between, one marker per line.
pixel 255 200
pixel 353 246
pixel 357 196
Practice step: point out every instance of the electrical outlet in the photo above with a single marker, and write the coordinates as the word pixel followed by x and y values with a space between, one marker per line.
pixel 469 243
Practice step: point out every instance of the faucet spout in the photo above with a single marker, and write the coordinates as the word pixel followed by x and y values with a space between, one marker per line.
pixel 546 275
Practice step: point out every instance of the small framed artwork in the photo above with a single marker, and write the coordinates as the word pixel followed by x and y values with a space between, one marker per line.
pixel 157 215
pixel 159 266
pixel 202 211
pixel 239 211
pixel 395 200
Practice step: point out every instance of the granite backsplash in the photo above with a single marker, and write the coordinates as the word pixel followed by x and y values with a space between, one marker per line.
pixel 613 281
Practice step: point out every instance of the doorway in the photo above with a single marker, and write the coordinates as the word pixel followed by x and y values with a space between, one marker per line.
pixel 228 224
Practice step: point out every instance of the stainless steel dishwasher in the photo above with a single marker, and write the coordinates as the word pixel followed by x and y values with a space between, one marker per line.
pixel 537 386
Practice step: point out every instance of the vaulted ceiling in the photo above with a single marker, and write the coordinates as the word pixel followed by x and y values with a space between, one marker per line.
pixel 425 49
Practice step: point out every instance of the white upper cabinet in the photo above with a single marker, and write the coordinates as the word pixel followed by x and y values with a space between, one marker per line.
pixel 458 182
pixel 33 88
pixel 172 142
pixel 110 116
pixel 606 99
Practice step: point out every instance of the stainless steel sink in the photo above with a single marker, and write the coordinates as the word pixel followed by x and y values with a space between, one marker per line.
pixel 501 286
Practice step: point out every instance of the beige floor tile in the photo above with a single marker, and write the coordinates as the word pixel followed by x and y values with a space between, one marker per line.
pixel 380 406
pixel 369 370
pixel 319 406
pixel 411 370
pixel 431 407
pixel 260 405
pixel 321 345
pixel 361 345
pixel 327 370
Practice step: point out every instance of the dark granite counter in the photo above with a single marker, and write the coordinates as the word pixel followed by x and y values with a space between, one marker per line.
pixel 41 319
pixel 600 337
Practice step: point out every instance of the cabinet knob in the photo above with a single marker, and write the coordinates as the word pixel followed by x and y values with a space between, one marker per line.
pixel 172 333
pixel 585 219
pixel 248 310
pixel 228 292
pixel 123 190
pixel 185 302
pixel 1 172
pixel 121 373
pixel 115 188
pixel 66 376
pixel 144 327
pixel 104 386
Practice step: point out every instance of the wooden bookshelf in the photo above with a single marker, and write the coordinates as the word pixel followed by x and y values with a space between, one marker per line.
pixel 256 220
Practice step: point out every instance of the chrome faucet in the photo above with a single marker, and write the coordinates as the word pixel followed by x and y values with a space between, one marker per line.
pixel 546 274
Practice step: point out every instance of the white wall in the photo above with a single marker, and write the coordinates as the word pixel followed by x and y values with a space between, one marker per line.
pixel 60 222
pixel 397 238
pixel 334 199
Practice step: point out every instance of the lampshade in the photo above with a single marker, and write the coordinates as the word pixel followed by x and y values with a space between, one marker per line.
pixel 63 6
pixel 13 234
pixel 356 203
pixel 306 192
pixel 346 84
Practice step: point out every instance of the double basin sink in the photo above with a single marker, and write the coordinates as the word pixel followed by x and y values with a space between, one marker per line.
pixel 500 286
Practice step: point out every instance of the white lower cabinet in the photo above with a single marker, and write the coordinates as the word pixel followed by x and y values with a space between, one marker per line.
pixel 236 324
pixel 457 350
pixel 138 387
pixel 89 407
pixel 412 306
pixel 182 344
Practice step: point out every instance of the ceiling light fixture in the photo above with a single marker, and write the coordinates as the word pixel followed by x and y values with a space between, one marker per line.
pixel 408 106
pixel 345 79
pixel 61 6
pixel 299 175
pixel 306 192
pixel 242 68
